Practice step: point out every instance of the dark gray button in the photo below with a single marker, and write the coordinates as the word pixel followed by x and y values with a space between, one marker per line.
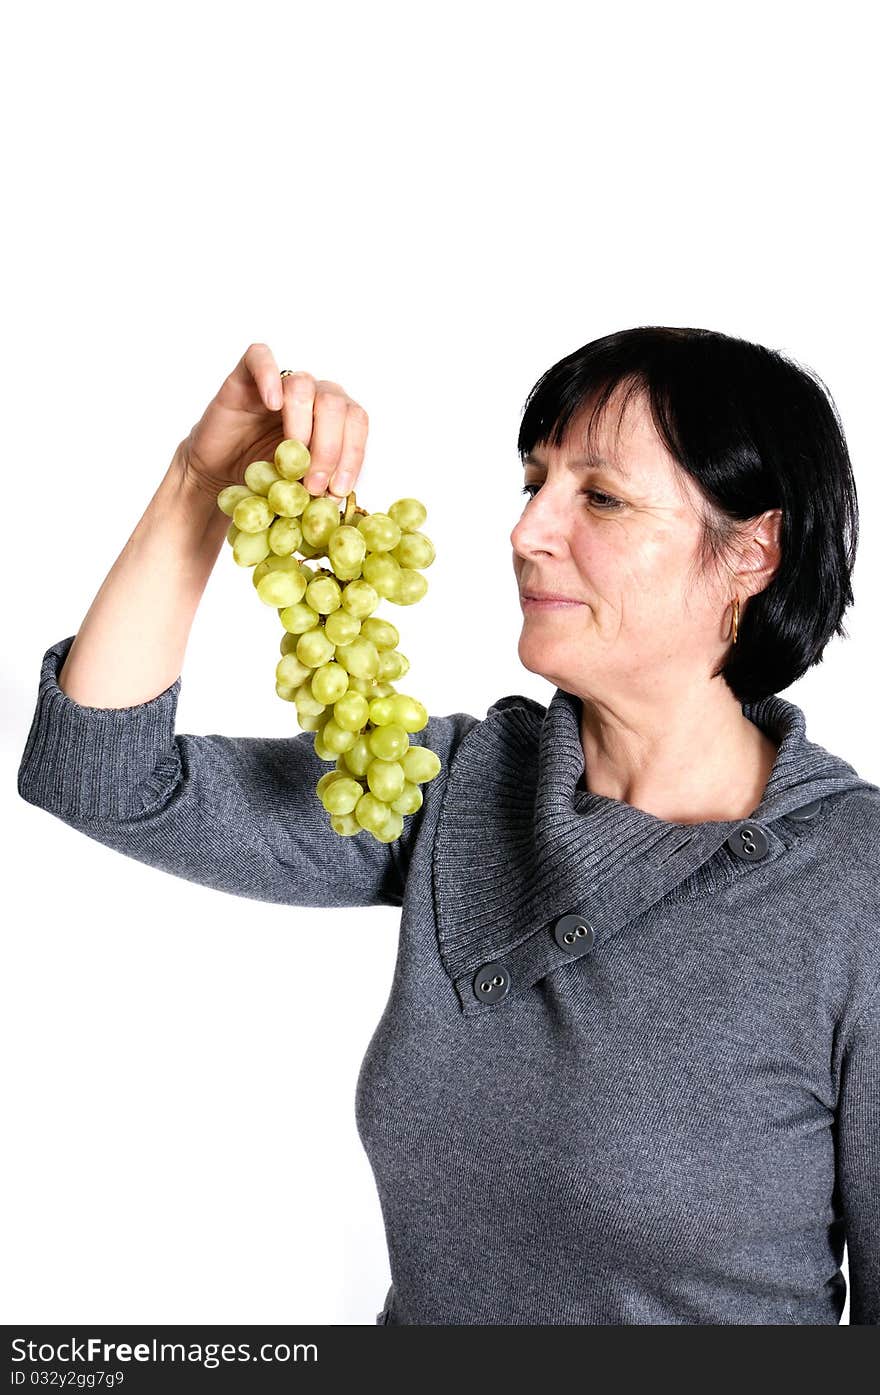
pixel 806 811
pixel 749 842
pixel 491 982
pixel 574 934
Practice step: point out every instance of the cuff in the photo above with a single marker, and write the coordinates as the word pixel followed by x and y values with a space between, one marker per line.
pixel 97 762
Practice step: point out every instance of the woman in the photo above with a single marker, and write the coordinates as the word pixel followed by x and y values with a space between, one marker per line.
pixel 628 1068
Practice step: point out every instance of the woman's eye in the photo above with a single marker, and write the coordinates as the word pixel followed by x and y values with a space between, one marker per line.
pixel 601 500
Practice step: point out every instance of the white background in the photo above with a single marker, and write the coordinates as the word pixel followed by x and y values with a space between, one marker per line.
pixel 429 205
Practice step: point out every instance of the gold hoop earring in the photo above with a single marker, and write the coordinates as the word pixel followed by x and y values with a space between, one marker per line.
pixel 734 624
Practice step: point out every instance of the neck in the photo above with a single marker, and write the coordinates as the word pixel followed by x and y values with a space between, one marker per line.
pixel 697 759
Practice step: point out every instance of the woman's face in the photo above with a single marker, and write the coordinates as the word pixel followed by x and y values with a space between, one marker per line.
pixel 624 548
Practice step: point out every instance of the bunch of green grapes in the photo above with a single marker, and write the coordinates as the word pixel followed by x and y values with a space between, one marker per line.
pixel 339 661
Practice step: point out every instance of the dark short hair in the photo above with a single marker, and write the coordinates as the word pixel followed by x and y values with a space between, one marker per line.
pixel 757 431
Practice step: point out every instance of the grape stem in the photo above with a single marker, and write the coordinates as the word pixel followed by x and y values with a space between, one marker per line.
pixel 352 508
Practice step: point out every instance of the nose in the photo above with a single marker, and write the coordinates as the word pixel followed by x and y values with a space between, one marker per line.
pixel 541 526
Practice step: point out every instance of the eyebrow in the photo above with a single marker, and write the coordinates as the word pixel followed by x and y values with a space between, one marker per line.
pixel 582 462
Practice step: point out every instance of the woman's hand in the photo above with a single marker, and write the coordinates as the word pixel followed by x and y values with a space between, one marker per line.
pixel 256 408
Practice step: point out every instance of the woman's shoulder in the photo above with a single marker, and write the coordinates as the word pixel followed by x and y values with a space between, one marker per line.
pixel 462 740
pixel 853 818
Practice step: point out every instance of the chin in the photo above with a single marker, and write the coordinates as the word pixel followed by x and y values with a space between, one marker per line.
pixel 535 659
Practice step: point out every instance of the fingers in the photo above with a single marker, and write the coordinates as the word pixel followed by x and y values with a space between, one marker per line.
pixel 260 362
pixel 337 447
pixel 331 409
pixel 296 414
pixel 354 440
pixel 320 414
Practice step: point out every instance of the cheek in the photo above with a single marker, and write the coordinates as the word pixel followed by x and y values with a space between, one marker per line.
pixel 638 578
pixel 610 553
pixel 652 560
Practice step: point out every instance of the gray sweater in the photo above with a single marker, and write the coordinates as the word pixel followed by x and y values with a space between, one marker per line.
pixel 628 1070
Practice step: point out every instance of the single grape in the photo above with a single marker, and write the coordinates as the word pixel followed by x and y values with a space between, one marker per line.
pixel 250 548
pixel 336 738
pixel 409 713
pixel 292 458
pixel 253 515
pixel 391 665
pixel 285 691
pixel 360 599
pixel 324 594
pixel 383 634
pixel 413 550
pixel 342 796
pixel 314 648
pixel 381 571
pixel 357 758
pixel 346 825
pixel 411 587
pixel 288 498
pixel 359 657
pixel 409 800
pixel 408 514
pixel 386 779
pixel 285 536
pixel 420 764
pixel 259 475
pixel 319 518
pixel 370 812
pixel 299 617
pixel 291 672
pixel 232 533
pixel 389 742
pixel 346 548
pixel 329 682
pixel 351 711
pixel 380 532
pixel 281 588
pixel 382 711
pixel 341 627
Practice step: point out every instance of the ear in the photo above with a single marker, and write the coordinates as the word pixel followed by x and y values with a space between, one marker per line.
pixel 763 551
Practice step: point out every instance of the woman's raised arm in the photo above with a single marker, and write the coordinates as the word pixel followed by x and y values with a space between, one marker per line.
pixel 236 813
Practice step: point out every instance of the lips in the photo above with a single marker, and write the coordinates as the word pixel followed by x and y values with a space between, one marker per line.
pixel 548 596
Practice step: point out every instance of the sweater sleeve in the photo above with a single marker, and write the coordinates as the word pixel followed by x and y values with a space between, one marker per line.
pixel 858 1162
pixel 238 814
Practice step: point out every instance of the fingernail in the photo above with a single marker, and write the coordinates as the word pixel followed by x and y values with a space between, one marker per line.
pixel 316 484
pixel 341 484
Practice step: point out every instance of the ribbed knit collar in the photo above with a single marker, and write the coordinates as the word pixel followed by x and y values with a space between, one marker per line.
pixel 518 844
